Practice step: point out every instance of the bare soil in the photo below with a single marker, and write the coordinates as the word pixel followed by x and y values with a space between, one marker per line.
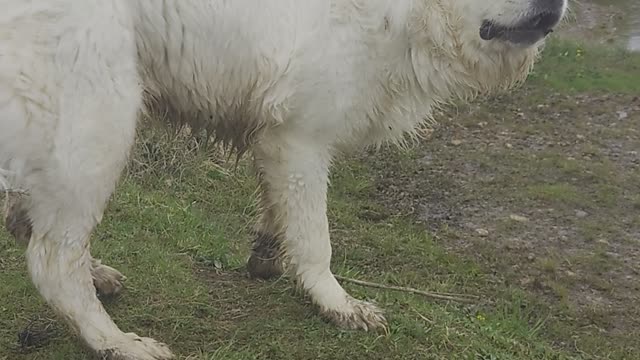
pixel 543 189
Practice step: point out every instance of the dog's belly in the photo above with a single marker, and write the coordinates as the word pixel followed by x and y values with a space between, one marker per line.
pixel 213 64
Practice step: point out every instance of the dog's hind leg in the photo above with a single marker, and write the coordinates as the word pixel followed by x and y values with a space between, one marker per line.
pixel 72 119
pixel 66 201
pixel 64 211
pixel 107 280
pixel 266 259
pixel 295 170
pixel 16 219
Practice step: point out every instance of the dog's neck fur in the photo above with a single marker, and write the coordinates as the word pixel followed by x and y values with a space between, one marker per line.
pixel 453 62
pixel 419 69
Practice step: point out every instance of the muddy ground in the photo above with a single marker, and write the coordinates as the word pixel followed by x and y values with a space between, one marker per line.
pixel 603 22
pixel 542 188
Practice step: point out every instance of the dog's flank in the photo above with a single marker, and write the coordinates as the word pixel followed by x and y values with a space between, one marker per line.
pixel 294 83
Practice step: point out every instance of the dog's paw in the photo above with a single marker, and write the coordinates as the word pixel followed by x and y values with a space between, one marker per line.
pixel 357 315
pixel 107 280
pixel 134 347
pixel 260 268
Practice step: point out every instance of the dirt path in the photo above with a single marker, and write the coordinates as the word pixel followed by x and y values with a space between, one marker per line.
pixel 544 189
pixel 604 22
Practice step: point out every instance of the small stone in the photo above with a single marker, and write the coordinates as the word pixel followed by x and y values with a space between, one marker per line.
pixel 469 226
pixel 622 115
pixel 602 241
pixel 581 214
pixel 571 273
pixel 518 218
pixel 482 232
pixel 509 146
pixel 525 281
pixel 513 244
pixel 531 257
pixel 456 142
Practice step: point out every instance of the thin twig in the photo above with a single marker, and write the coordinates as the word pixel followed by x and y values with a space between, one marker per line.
pixel 426 319
pixel 13 191
pixel 461 298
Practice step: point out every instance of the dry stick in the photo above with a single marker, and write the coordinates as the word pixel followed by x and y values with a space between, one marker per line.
pixel 461 298
pixel 13 191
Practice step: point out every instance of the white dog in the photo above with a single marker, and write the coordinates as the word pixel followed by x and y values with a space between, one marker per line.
pixel 292 81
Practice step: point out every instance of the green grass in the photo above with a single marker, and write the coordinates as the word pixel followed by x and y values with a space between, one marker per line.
pixel 178 228
pixel 572 67
pixel 183 242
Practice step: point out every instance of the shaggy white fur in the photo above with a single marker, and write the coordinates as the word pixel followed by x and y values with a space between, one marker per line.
pixel 293 81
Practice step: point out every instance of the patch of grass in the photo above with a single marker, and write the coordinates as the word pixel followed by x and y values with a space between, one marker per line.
pixel 569 66
pixel 568 168
pixel 598 262
pixel 182 241
pixel 559 290
pixel 559 193
pixel 548 265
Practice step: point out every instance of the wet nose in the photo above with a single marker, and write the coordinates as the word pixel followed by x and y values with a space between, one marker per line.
pixel 555 6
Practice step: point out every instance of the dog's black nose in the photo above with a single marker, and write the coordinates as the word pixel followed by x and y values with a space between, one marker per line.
pixel 554 6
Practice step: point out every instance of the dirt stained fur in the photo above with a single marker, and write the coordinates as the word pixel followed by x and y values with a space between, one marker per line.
pixel 266 257
pixel 235 125
pixel 17 221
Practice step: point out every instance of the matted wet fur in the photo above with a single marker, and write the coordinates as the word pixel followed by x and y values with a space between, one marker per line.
pixel 266 257
pixel 293 82
pixel 16 220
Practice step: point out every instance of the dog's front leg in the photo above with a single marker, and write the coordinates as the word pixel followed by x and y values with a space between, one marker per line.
pixel 294 177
